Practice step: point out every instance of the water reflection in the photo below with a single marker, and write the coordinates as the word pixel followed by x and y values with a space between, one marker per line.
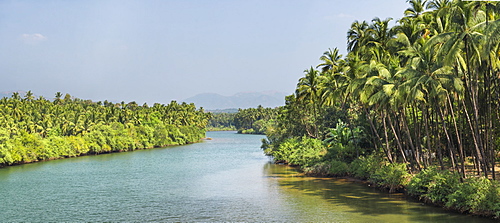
pixel 227 179
pixel 353 201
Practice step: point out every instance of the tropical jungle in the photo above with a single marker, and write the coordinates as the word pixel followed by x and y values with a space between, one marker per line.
pixel 35 129
pixel 411 107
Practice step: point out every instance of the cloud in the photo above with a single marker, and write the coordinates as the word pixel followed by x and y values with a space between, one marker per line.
pixel 33 38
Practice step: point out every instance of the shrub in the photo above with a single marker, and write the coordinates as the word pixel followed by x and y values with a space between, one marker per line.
pixel 318 169
pixel 303 151
pixel 433 184
pixel 392 176
pixel 476 195
pixel 338 168
pixel 308 152
pixel 364 167
pixel 328 168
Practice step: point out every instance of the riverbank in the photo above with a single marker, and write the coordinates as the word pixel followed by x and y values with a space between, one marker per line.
pixel 228 179
pixel 220 129
pixel 54 148
pixel 476 196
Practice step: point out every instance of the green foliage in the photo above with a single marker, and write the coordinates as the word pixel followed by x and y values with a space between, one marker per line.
pixel 344 135
pixel 343 142
pixel 391 175
pixel 38 129
pixel 328 168
pixel 424 87
pixel 338 168
pixel 221 122
pixel 433 184
pixel 255 120
pixel 364 167
pixel 303 151
pixel 477 195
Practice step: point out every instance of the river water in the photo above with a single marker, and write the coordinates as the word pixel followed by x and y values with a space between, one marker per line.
pixel 227 179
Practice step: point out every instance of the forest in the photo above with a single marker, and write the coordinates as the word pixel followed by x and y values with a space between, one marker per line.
pixel 35 129
pixel 245 121
pixel 413 107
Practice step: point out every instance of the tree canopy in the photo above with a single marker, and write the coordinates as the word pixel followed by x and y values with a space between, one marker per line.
pixel 424 92
pixel 39 129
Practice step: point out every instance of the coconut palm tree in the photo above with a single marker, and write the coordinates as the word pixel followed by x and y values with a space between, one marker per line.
pixel 416 9
pixel 357 36
pixel 308 92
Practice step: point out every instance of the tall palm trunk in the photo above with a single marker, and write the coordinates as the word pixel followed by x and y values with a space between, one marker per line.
pixel 479 154
pixel 457 133
pixel 472 84
pixel 398 141
pixel 415 152
pixel 425 113
pixel 387 148
pixel 448 139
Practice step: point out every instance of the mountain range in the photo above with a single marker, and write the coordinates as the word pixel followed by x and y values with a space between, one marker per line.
pixel 213 101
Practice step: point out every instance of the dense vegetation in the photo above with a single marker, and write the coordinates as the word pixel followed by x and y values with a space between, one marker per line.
pixel 38 129
pixel 254 120
pixel 245 121
pixel 415 104
pixel 221 121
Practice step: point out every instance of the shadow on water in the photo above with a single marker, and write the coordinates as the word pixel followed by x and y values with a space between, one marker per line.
pixel 361 200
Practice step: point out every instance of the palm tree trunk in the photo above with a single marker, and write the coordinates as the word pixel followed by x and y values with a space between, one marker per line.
pixel 387 144
pixel 450 144
pixel 459 139
pixel 416 155
pixel 479 154
pixel 398 141
pixel 387 149
pixel 425 113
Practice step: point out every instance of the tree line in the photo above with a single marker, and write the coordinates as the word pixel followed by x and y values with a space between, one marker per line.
pixel 34 129
pixel 245 121
pixel 421 94
pixel 426 87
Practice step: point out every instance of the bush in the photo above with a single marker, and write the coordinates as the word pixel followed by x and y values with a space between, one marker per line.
pixel 392 176
pixel 364 167
pixel 318 169
pixel 476 195
pixel 338 168
pixel 328 168
pixel 304 151
pixel 433 184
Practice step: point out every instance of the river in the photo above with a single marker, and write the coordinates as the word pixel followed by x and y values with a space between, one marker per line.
pixel 227 179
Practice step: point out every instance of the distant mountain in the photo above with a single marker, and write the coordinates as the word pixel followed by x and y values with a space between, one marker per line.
pixel 212 101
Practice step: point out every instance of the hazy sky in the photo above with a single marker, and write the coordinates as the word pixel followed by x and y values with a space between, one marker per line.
pixel 163 50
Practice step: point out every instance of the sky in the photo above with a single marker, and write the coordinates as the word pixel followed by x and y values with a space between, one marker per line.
pixel 156 51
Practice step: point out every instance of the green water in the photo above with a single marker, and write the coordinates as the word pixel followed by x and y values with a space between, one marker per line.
pixel 226 179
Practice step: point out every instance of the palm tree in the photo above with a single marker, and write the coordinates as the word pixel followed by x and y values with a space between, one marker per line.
pixel 357 36
pixel 462 45
pixel 15 96
pixel 29 96
pixel 332 80
pixel 417 7
pixel 308 92
pixel 438 4
pixel 332 61
pixel 380 31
